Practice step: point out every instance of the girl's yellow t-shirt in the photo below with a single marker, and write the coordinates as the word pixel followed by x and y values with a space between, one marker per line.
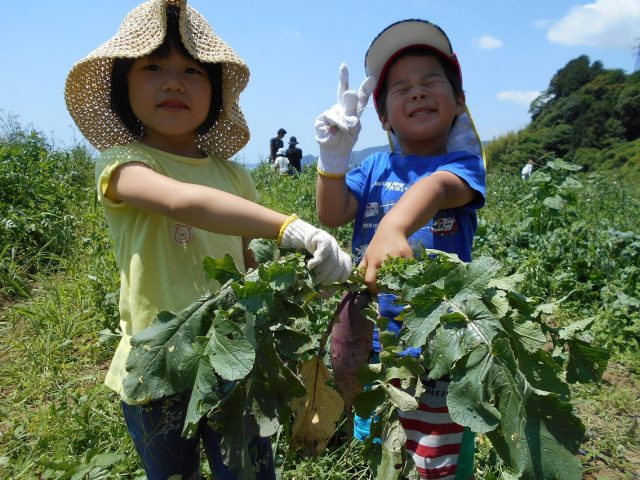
pixel 160 260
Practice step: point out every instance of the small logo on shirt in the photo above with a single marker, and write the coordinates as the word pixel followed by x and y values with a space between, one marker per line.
pixel 183 234
pixel 444 225
pixel 358 255
pixel 371 210
pixel 391 186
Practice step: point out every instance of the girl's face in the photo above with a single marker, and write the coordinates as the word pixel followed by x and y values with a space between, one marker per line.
pixel 420 105
pixel 171 97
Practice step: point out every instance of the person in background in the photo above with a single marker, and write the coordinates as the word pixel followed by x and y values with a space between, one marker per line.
pixel 294 154
pixel 282 162
pixel 275 143
pixel 527 170
pixel 424 193
pixel 160 101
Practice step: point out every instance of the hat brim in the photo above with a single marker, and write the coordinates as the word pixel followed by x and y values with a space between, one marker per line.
pixel 400 35
pixel 88 84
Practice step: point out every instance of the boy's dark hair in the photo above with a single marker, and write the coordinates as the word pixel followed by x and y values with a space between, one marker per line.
pixel 450 71
pixel 121 67
pixel 282 131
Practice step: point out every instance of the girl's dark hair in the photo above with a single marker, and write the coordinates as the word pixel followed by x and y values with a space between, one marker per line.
pixel 450 71
pixel 121 67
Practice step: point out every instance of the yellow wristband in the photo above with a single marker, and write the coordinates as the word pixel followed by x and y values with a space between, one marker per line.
pixel 330 175
pixel 284 226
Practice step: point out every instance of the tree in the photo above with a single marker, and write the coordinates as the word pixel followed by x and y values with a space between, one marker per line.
pixel 584 107
pixel 628 110
pixel 575 74
pixel 539 103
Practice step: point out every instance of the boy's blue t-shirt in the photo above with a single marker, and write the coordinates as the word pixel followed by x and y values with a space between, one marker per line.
pixel 380 181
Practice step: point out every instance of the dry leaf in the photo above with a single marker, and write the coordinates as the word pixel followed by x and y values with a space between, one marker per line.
pixel 317 413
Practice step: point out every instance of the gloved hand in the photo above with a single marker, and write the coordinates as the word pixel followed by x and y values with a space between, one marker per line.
pixel 337 129
pixel 329 263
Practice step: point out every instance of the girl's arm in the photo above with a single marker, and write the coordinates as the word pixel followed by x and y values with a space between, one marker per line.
pixel 202 207
pixel 221 212
pixel 335 204
pixel 416 207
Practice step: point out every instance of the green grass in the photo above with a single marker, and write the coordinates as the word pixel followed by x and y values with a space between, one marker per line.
pixel 58 321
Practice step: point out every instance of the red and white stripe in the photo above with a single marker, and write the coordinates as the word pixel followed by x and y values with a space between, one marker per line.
pixel 433 439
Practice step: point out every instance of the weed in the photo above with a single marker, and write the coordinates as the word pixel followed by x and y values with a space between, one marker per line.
pixel 59 284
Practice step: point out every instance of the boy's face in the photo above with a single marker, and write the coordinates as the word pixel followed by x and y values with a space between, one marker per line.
pixel 420 105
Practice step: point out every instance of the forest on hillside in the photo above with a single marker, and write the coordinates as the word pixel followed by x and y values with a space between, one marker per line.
pixel 588 115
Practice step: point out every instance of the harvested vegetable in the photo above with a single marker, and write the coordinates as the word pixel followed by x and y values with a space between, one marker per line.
pixel 351 340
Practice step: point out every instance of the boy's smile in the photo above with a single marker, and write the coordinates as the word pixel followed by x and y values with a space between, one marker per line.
pixel 420 105
pixel 418 112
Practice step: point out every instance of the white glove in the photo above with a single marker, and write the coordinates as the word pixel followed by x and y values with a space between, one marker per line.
pixel 329 263
pixel 337 129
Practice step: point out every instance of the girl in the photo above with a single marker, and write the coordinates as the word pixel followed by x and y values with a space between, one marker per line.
pixel 160 101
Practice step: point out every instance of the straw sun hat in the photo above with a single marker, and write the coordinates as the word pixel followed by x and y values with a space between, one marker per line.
pixel 88 86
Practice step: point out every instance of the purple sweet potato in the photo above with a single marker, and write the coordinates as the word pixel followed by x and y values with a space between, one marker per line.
pixel 351 343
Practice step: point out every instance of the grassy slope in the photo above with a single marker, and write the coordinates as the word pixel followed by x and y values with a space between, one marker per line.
pixel 57 420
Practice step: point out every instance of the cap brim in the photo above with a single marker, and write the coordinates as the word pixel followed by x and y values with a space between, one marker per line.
pixel 401 35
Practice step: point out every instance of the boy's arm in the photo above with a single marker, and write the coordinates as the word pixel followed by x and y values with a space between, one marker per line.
pixel 416 207
pixel 337 131
pixel 335 204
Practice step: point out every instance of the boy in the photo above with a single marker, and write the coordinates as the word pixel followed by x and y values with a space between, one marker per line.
pixel 425 193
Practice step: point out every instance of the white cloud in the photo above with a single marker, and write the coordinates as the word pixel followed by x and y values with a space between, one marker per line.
pixel 487 42
pixel 524 97
pixel 542 23
pixel 603 23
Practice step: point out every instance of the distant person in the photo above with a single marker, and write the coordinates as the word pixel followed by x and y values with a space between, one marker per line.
pixel 282 162
pixel 527 170
pixel 275 143
pixel 165 116
pixel 294 154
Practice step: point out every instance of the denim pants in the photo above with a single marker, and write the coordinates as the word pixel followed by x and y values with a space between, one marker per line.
pixel 156 430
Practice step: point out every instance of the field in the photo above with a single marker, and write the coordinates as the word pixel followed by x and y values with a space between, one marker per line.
pixel 574 238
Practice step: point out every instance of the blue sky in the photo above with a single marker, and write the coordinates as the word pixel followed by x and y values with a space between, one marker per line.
pixel 508 50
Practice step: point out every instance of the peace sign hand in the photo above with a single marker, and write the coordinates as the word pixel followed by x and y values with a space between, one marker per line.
pixel 337 128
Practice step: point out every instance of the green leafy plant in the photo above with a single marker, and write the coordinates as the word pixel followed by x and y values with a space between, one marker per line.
pixel 491 341
pixel 237 351
pixel 92 464
pixel 57 418
pixel 41 190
